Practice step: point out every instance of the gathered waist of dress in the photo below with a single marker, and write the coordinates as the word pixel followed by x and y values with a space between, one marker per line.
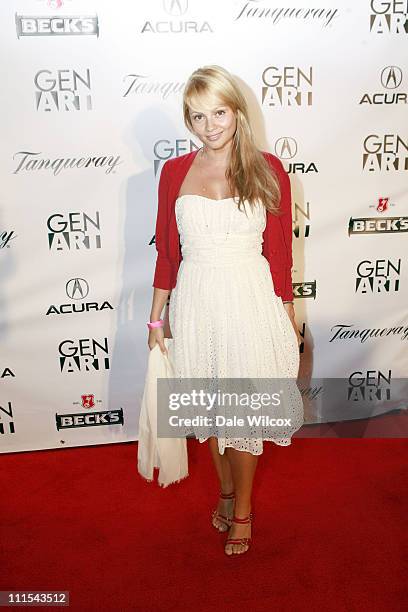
pixel 221 249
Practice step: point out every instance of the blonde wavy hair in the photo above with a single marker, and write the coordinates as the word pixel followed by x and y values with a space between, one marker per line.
pixel 249 173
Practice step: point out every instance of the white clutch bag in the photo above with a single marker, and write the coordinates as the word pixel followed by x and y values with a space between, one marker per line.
pixel 169 455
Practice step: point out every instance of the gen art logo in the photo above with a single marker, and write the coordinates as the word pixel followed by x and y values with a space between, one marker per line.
pixel 84 355
pixel 287 86
pixel 63 90
pixel 385 153
pixel 74 231
pixel 378 276
pixel 371 385
pixel 389 17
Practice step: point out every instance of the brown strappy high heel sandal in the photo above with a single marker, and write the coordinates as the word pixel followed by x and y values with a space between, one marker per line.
pixel 225 520
pixel 241 541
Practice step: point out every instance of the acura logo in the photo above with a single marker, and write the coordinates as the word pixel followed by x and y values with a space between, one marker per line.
pixel 391 77
pixel 175 8
pixel 77 288
pixel 286 147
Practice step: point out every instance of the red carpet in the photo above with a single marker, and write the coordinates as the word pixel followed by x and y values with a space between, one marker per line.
pixel 329 530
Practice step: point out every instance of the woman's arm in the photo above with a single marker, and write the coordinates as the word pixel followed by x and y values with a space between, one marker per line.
pixel 285 220
pixel 162 274
pixel 163 269
pixel 277 237
pixel 159 301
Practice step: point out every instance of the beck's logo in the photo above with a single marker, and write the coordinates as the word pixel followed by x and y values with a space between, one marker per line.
pixel 382 205
pixel 88 401
pixel 57 25
pixel 306 289
pixel 374 225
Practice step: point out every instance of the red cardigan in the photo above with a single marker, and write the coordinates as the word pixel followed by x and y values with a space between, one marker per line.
pixel 277 236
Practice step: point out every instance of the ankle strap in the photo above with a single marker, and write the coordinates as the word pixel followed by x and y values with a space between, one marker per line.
pixel 246 519
pixel 227 495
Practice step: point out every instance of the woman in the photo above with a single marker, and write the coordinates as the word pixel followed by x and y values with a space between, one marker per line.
pixel 224 253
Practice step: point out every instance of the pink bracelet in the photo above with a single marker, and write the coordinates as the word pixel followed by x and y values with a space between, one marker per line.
pixel 153 324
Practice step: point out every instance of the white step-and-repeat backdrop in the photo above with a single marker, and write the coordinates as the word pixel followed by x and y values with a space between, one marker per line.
pixel 91 109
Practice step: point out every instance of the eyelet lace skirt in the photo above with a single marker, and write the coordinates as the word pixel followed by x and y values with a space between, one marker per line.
pixel 225 319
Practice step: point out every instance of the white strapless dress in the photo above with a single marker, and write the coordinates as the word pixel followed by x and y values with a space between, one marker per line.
pixel 225 318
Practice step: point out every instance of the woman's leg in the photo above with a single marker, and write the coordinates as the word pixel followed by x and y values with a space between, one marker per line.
pixel 243 467
pixel 223 469
pixel 222 466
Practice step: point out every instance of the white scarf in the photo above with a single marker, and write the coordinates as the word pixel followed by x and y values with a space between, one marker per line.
pixel 167 454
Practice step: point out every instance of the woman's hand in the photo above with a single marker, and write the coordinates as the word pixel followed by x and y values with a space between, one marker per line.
pixel 291 314
pixel 156 336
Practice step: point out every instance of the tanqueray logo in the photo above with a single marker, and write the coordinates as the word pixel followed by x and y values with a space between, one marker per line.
pixel 254 11
pixel 142 84
pixel 6 237
pixel 30 161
